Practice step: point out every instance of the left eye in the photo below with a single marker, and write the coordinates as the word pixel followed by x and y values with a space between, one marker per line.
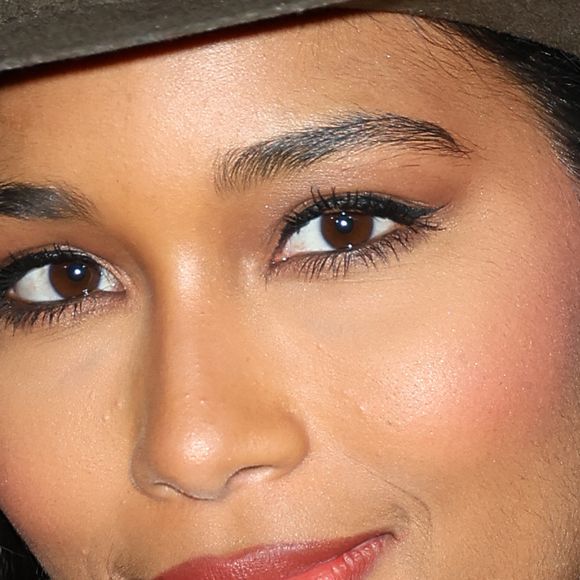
pixel 63 281
pixel 337 231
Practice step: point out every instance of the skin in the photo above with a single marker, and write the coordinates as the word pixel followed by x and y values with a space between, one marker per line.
pixel 208 407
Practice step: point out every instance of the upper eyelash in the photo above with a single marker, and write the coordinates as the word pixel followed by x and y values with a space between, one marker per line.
pixel 18 265
pixel 403 212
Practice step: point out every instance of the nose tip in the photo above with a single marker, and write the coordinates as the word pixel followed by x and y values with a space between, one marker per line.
pixel 212 413
pixel 208 460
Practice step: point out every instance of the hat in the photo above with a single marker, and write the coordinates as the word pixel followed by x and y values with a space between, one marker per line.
pixel 41 31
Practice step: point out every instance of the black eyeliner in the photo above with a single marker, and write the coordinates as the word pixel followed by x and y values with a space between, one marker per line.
pixel 415 221
pixel 19 265
pixel 405 213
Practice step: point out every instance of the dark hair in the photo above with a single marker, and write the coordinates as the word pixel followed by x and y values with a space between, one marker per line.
pixel 16 561
pixel 549 76
pixel 552 80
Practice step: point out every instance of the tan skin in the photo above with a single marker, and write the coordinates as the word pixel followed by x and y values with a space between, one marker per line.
pixel 208 405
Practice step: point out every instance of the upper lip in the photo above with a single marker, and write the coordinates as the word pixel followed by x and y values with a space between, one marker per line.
pixel 265 562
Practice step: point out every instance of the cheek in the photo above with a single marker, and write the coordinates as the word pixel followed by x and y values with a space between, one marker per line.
pixel 456 393
pixel 480 384
pixel 58 457
pixel 469 362
pixel 495 367
pixel 488 375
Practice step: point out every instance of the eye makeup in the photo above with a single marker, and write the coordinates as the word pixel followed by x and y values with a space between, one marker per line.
pixel 411 221
pixel 67 272
pixel 48 286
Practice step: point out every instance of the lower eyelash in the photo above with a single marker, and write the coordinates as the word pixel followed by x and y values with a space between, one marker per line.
pixel 337 264
pixel 25 318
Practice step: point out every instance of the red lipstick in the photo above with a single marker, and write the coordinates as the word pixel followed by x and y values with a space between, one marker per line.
pixel 347 559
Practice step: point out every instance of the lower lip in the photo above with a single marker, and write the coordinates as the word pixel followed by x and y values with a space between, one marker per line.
pixel 279 562
pixel 352 565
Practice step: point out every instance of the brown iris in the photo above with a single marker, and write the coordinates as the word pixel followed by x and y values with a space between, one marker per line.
pixel 74 279
pixel 344 231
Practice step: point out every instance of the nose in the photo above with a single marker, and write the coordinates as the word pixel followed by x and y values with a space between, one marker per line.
pixel 212 421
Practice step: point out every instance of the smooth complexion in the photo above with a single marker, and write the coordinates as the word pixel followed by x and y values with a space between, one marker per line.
pixel 217 397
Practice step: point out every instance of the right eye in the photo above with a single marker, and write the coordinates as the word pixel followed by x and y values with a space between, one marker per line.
pixel 63 280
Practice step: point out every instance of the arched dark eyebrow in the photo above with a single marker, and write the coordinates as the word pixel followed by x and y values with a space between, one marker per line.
pixel 241 168
pixel 28 201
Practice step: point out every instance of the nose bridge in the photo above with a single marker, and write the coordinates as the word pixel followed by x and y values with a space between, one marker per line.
pixel 213 419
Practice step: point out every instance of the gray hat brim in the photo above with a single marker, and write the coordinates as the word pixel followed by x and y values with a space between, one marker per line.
pixel 33 32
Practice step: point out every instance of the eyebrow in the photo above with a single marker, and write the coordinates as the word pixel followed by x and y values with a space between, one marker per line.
pixel 242 167
pixel 290 152
pixel 28 201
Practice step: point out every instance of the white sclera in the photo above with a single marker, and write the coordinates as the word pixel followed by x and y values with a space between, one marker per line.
pixel 36 287
pixel 309 240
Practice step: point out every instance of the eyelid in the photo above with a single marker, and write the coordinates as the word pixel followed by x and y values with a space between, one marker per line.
pixel 361 200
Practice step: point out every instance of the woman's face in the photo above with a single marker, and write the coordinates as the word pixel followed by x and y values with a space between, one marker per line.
pixel 322 284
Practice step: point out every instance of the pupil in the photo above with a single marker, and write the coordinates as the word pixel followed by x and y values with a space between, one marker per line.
pixel 77 272
pixel 344 223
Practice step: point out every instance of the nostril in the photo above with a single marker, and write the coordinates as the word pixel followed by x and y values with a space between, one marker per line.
pixel 200 495
pixel 252 474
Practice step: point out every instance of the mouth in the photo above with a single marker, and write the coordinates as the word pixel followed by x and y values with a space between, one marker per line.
pixel 346 559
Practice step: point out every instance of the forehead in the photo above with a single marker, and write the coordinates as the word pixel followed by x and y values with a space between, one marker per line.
pixel 170 111
pixel 288 69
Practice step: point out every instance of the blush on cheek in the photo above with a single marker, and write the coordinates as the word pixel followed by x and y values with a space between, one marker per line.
pixel 486 393
pixel 33 493
pixel 57 456
pixel 498 386
pixel 473 380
